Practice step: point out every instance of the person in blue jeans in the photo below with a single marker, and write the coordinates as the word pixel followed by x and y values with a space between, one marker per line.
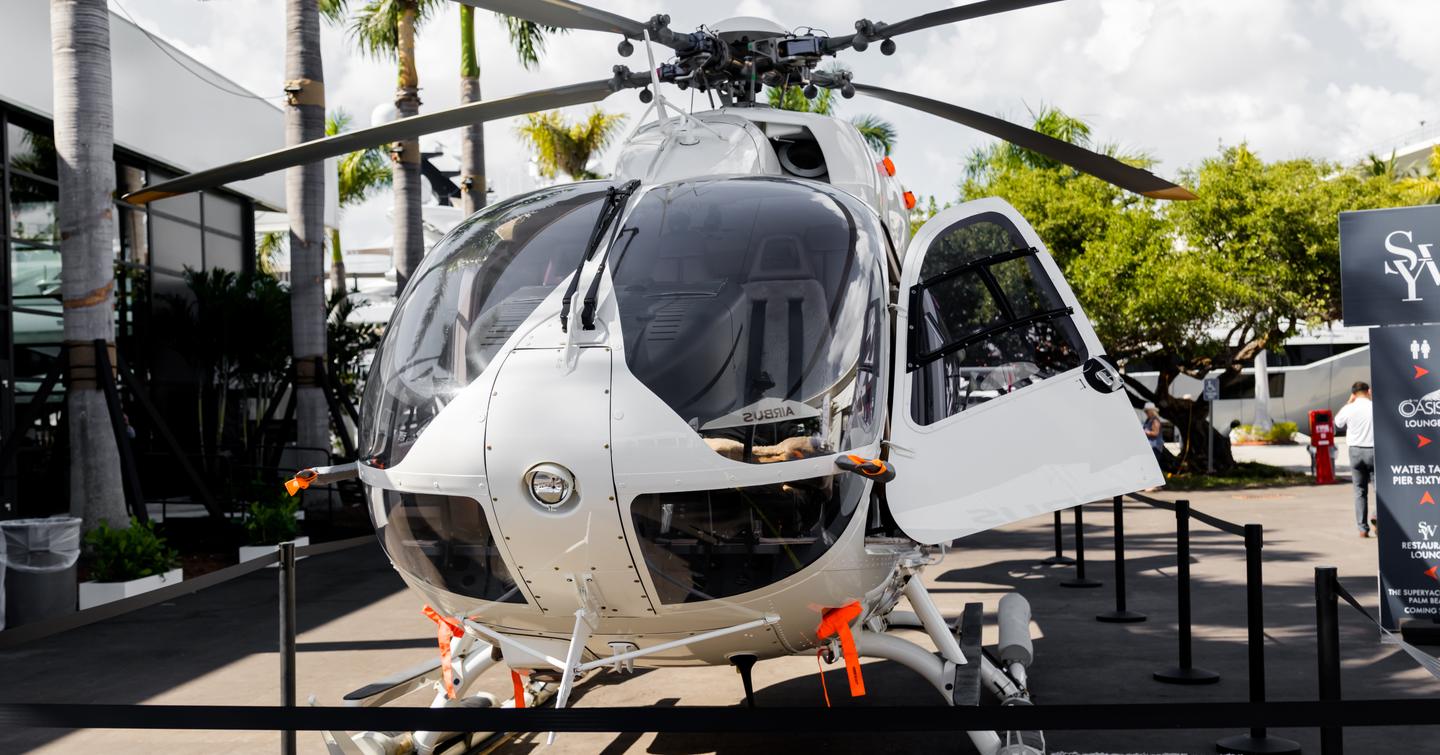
pixel 1358 416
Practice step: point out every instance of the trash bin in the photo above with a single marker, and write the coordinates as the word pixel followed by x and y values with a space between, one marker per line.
pixel 39 569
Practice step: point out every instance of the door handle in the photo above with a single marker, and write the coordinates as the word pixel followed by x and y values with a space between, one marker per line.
pixel 875 469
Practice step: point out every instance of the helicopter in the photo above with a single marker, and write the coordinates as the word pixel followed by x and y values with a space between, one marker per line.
pixel 722 406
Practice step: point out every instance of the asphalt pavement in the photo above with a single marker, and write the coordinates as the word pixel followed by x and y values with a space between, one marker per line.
pixel 358 623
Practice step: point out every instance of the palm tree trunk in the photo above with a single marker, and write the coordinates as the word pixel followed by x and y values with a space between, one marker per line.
pixel 304 200
pixel 472 139
pixel 409 239
pixel 85 147
pixel 337 262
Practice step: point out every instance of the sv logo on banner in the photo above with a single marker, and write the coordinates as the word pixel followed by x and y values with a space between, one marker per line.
pixel 1413 263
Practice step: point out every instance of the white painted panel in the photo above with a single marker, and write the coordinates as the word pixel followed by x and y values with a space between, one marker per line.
pixel 1046 446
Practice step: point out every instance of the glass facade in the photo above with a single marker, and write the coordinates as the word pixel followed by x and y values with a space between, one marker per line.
pixel 152 247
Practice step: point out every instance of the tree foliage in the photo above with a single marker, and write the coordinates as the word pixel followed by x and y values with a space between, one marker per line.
pixel 1189 287
pixel 563 146
pixel 360 173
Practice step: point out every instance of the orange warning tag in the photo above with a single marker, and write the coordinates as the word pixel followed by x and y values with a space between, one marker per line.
pixel 836 621
pixel 518 682
pixel 299 482
pixel 447 628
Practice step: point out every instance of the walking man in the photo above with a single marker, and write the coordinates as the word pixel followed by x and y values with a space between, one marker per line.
pixel 1358 415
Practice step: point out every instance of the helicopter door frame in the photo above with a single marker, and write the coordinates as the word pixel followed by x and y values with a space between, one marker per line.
pixel 1043 441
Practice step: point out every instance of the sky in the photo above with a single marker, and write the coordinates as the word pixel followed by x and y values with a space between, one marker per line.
pixel 1176 80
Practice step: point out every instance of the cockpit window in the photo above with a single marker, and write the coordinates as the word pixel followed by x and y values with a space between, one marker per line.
pixel 474 289
pixel 753 308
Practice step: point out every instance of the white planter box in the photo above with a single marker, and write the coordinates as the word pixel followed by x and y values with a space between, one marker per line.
pixel 99 593
pixel 248 552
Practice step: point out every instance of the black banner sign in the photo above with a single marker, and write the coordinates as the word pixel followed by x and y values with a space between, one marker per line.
pixel 1389 271
pixel 1405 367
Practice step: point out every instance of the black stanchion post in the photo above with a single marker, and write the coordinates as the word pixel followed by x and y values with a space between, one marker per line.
pixel 1257 741
pixel 1080 580
pixel 1327 646
pixel 1059 557
pixel 1185 673
pixel 1121 615
pixel 287 639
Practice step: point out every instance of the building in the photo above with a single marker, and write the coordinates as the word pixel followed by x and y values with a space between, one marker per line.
pixel 172 115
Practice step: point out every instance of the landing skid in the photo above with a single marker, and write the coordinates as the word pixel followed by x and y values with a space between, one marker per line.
pixel 958 670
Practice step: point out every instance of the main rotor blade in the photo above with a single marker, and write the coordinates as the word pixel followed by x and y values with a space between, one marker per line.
pixel 1103 167
pixel 957 14
pixel 936 18
pixel 563 14
pixel 399 130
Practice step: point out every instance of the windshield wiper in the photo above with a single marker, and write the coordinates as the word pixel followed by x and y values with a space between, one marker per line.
pixel 615 198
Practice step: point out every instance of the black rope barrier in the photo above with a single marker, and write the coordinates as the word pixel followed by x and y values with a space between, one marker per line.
pixel 1121 614
pixel 1186 672
pixel 919 718
pixel 24 633
pixel 1059 558
pixel 1080 580
pixel 1327 652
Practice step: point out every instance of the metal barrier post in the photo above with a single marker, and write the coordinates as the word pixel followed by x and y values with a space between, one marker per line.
pixel 1327 646
pixel 1257 741
pixel 1059 557
pixel 1185 673
pixel 1120 615
pixel 1080 580
pixel 287 639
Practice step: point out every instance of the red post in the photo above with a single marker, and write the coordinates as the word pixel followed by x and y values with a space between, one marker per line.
pixel 1322 439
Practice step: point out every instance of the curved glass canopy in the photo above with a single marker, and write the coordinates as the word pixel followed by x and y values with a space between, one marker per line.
pixel 753 307
pixel 472 291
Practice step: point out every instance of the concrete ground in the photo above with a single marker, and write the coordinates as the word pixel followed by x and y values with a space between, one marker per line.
pixel 358 623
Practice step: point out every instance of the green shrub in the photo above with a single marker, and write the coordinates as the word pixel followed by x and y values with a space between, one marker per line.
pixel 272 520
pixel 1282 432
pixel 120 555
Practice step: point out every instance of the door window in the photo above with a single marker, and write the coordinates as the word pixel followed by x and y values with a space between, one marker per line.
pixel 987 320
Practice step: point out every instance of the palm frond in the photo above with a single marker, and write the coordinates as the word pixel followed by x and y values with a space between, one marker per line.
pixel 375 29
pixel 360 173
pixel 879 133
pixel 564 147
pixel 528 38
pixel 334 11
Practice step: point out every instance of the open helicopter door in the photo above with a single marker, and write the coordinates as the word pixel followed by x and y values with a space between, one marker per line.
pixel 1004 405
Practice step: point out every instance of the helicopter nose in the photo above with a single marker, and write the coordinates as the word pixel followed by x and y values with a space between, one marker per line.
pixel 548 462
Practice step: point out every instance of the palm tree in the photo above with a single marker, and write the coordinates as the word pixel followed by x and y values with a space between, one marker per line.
pixel 878 132
pixel 528 39
pixel 565 147
pixel 305 205
pixel 85 152
pixel 358 175
pixel 385 29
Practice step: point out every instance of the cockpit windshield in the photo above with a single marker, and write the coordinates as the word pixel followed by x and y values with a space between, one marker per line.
pixel 753 307
pixel 473 291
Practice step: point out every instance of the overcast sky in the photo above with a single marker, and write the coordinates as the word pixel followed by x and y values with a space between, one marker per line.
pixel 1174 79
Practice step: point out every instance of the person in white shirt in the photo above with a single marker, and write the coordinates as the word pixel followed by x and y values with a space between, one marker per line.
pixel 1359 416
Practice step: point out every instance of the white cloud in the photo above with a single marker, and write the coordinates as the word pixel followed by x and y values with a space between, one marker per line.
pixel 1291 77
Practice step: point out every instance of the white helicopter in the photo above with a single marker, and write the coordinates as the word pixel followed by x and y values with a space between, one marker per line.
pixel 722 407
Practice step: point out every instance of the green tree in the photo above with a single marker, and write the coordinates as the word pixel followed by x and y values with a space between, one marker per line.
pixel 85 164
pixel 1188 287
pixel 528 40
pixel 359 174
pixel 305 203
pixel 385 30
pixel 562 146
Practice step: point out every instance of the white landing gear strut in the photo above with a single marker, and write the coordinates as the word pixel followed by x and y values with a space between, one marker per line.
pixel 959 671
